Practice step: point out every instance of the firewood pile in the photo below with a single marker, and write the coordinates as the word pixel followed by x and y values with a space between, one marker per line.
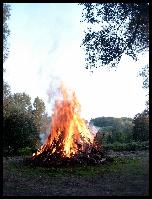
pixel 92 155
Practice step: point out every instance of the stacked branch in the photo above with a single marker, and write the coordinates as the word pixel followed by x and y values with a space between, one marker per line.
pixel 92 154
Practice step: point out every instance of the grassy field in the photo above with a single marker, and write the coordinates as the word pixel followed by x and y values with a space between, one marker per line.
pixel 127 175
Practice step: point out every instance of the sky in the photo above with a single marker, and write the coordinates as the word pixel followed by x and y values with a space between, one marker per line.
pixel 45 49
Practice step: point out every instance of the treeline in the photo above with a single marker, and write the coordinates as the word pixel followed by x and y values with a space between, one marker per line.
pixel 22 121
pixel 123 129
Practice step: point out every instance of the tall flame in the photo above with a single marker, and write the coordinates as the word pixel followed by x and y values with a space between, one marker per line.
pixel 67 127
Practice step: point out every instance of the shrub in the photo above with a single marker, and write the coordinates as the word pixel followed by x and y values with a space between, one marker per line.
pixel 19 132
pixel 25 151
pixel 132 146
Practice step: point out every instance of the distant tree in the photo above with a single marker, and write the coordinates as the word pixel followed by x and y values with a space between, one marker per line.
pixel 120 129
pixel 7 99
pixel 121 28
pixel 17 101
pixel 109 139
pixel 23 101
pixel 141 126
pixel 6 90
pixel 38 112
pixel 103 121
pixel 6 31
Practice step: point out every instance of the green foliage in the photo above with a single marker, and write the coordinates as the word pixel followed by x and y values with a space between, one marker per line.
pixel 147 105
pixel 123 130
pixel 39 113
pixel 103 121
pixel 7 99
pixel 141 126
pixel 111 122
pixel 22 101
pixel 114 129
pixel 121 28
pixel 20 126
pixel 6 90
pixel 25 151
pixel 145 74
pixel 6 31
pixel 132 146
pixel 19 131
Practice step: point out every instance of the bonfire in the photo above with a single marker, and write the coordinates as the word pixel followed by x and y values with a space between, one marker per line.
pixel 70 140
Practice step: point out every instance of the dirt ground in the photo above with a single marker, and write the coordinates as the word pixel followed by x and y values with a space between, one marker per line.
pixel 128 181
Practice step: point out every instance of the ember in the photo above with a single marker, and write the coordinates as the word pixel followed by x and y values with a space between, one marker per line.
pixel 70 140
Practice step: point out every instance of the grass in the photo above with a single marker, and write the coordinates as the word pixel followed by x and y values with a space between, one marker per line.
pixel 124 176
pixel 117 165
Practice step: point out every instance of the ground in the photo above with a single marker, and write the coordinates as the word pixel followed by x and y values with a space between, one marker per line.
pixel 127 175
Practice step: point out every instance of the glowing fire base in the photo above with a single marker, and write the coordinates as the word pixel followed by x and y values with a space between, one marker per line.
pixel 91 156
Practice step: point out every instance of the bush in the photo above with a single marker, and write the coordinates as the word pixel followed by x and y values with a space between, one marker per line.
pixel 19 132
pixel 133 146
pixel 25 151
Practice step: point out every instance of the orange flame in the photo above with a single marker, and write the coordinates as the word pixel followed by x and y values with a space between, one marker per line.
pixel 67 124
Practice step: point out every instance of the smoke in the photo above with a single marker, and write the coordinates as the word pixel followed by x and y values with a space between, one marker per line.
pixel 93 129
pixel 42 137
pixel 53 89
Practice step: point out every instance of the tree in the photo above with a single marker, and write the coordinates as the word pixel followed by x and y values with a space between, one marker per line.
pixel 147 106
pixel 20 102
pixel 18 125
pixel 141 126
pixel 145 74
pixel 20 128
pixel 23 101
pixel 19 132
pixel 7 99
pixel 114 29
pixel 115 129
pixel 38 112
pixel 6 90
pixel 6 31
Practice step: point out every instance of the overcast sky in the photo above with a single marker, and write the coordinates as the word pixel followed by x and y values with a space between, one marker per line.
pixel 45 48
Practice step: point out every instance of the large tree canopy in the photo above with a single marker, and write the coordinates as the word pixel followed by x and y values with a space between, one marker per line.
pixel 21 123
pixel 114 29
